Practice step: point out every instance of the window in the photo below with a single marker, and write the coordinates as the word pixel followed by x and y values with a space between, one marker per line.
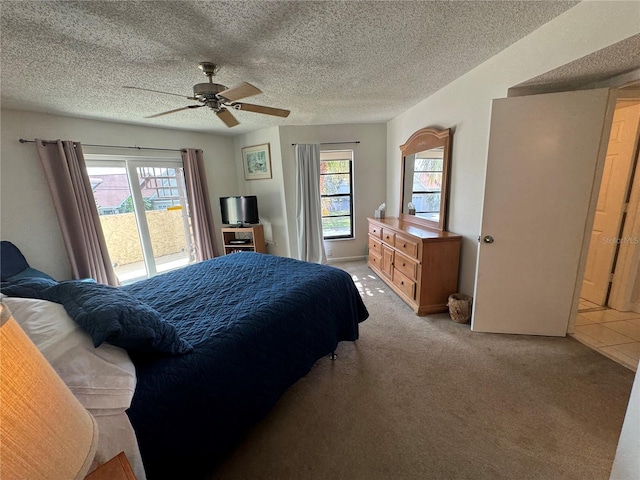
pixel 144 214
pixel 336 192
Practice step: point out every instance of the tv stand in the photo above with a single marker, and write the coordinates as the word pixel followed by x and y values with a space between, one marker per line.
pixel 249 238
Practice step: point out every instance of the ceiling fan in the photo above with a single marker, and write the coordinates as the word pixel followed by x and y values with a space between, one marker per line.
pixel 220 99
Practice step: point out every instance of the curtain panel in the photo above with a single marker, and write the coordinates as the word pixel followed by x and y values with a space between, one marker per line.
pixel 199 204
pixel 66 173
pixel 308 204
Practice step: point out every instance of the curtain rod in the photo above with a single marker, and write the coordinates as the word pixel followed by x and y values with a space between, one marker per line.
pixel 22 140
pixel 329 143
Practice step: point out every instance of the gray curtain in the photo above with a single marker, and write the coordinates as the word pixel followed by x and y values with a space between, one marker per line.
pixel 199 204
pixel 308 205
pixel 66 173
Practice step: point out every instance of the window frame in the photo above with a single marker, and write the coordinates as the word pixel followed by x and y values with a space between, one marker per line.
pixel 350 154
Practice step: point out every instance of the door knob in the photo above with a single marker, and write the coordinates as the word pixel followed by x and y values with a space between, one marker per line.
pixel 487 239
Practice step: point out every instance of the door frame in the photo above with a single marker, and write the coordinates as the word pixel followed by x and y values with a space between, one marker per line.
pixel 615 95
pixel 628 255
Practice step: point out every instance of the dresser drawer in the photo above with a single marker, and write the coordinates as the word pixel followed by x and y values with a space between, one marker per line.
pixel 406 266
pixel 375 230
pixel 388 236
pixel 404 283
pixel 407 246
pixel 375 259
pixel 375 246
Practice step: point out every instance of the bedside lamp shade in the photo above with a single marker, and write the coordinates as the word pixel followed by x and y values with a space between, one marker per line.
pixel 45 433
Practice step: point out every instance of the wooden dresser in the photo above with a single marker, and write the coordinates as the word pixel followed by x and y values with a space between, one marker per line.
pixel 419 264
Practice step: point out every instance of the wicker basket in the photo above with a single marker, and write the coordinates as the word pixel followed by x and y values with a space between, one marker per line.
pixel 460 307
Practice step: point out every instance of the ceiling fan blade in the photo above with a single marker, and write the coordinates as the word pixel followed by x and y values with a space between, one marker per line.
pixel 158 91
pixel 228 119
pixel 242 90
pixel 174 111
pixel 250 107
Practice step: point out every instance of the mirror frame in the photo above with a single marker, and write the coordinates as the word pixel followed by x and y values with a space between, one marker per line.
pixel 426 139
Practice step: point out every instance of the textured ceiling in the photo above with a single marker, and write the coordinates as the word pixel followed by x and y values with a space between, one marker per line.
pixel 327 62
pixel 616 59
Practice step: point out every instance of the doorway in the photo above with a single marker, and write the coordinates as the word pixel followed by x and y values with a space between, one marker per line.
pixel 606 320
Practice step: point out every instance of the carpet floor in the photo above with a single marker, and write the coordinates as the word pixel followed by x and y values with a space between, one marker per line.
pixel 426 398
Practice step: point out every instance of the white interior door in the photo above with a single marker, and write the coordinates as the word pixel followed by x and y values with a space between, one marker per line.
pixel 611 201
pixel 546 153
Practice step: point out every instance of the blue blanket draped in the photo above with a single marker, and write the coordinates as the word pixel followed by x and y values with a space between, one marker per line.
pixel 257 323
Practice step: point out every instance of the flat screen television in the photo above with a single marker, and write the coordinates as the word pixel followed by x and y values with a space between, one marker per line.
pixel 240 210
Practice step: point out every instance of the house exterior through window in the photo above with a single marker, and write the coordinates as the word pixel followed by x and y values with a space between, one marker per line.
pixel 144 214
pixel 336 193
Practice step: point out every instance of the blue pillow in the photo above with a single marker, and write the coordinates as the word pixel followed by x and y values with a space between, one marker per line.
pixel 29 273
pixel 12 261
pixel 32 287
pixel 112 315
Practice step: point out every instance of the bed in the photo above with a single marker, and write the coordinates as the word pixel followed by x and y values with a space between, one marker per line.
pixel 243 329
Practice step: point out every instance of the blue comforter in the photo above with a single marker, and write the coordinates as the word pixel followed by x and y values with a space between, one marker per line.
pixel 257 323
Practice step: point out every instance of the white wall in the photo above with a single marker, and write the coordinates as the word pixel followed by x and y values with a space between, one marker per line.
pixel 368 177
pixel 626 464
pixel 270 192
pixel 27 216
pixel 465 106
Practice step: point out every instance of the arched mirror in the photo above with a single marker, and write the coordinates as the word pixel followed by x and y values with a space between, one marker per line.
pixel 426 161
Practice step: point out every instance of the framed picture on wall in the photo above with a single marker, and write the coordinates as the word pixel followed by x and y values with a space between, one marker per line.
pixel 257 162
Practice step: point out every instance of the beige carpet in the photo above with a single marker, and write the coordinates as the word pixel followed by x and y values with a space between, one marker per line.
pixel 425 398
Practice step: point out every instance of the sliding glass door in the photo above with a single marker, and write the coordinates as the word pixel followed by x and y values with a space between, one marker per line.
pixel 144 214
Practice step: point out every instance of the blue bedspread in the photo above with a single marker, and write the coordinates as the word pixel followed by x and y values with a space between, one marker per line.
pixel 257 323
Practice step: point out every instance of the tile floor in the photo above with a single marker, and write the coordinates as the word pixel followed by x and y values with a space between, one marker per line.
pixel 612 333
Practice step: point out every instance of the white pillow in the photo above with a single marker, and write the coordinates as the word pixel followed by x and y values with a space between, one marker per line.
pixel 102 378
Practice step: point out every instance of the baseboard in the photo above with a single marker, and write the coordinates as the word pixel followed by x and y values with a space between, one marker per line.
pixel 345 259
